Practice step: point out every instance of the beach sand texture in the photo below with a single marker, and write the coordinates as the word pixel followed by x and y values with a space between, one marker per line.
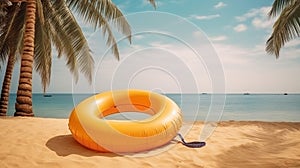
pixel 41 142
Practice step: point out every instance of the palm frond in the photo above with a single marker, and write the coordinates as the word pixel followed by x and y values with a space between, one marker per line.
pixel 39 12
pixel 54 24
pixel 4 51
pixel 8 24
pixel 152 2
pixel 278 6
pixel 99 13
pixel 287 27
pixel 62 40
pixel 3 12
pixel 20 28
pixel 111 41
pixel 12 30
pixel 42 51
pixel 73 43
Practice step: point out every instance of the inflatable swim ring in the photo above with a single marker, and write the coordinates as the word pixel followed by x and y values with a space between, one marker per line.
pixel 89 127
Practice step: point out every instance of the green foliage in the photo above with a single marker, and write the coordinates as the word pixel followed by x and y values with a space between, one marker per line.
pixel 286 27
pixel 56 27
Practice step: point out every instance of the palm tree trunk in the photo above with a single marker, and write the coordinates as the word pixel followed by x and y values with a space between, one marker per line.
pixel 23 104
pixel 6 84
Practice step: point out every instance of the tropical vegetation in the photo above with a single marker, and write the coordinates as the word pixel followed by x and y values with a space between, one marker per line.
pixel 32 27
pixel 9 44
pixel 286 27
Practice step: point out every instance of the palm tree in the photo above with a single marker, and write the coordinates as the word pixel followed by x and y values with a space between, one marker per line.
pixel 8 46
pixel 57 16
pixel 24 95
pixel 54 20
pixel 286 27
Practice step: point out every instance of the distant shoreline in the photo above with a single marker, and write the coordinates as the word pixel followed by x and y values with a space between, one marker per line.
pixel 239 107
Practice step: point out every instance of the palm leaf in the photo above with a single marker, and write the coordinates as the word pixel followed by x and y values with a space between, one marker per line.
pixel 54 24
pixel 287 27
pixel 74 45
pixel 111 41
pixel 11 34
pixel 39 11
pixel 99 13
pixel 153 3
pixel 4 51
pixel 278 6
pixel 42 54
pixel 8 25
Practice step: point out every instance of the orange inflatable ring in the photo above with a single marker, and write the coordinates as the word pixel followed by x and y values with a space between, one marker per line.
pixel 89 127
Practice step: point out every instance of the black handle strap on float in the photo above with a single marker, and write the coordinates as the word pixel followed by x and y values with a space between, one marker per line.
pixel 194 144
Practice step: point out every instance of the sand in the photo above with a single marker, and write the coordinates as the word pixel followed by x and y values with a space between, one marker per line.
pixel 40 142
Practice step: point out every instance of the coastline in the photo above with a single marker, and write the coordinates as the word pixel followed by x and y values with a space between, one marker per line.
pixel 239 107
pixel 47 142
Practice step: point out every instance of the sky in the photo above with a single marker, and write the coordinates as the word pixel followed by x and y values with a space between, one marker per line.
pixel 186 46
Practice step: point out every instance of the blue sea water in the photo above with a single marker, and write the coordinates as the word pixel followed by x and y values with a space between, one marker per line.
pixel 262 107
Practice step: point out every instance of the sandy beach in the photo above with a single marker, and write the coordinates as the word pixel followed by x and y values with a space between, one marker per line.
pixel 41 142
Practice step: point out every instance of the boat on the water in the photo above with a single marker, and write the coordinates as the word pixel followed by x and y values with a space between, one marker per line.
pixel 47 95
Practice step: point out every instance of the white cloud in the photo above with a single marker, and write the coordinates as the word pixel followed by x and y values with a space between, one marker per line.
pixel 240 28
pixel 137 37
pixel 219 38
pixel 259 18
pixel 262 23
pixel 206 17
pixel 220 5
pixel 157 44
pixel 293 43
pixel 261 12
pixel 290 50
pixel 197 33
pixel 263 73
pixel 168 66
pixel 231 54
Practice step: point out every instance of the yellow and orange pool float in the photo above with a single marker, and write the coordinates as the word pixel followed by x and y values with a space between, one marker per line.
pixel 89 127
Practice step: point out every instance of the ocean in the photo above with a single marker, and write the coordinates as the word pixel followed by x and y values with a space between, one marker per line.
pixel 239 107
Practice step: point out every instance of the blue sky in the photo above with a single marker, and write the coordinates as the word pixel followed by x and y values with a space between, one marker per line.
pixel 228 36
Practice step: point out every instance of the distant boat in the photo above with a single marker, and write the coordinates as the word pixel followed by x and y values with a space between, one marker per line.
pixel 246 93
pixel 204 93
pixel 47 95
pixel 285 94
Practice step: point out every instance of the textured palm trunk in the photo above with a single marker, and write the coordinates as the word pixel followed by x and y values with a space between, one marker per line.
pixel 23 104
pixel 6 84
